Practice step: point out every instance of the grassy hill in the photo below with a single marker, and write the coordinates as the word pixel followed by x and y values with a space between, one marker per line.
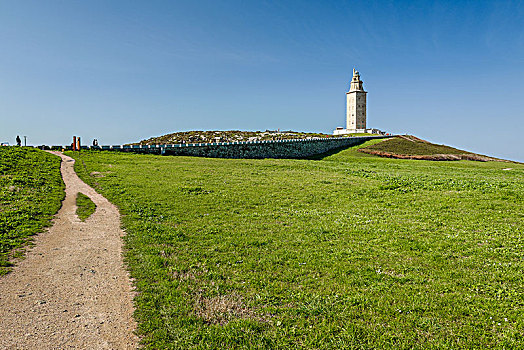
pixel 351 251
pixel 31 192
pixel 411 147
pixel 227 136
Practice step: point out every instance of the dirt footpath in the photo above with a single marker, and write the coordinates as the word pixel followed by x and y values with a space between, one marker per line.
pixel 71 291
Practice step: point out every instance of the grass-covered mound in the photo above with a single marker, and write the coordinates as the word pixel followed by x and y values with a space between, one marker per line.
pixel 84 206
pixel 31 191
pixel 207 136
pixel 410 147
pixel 352 251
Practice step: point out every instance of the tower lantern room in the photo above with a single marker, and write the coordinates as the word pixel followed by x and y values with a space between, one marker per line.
pixel 356 84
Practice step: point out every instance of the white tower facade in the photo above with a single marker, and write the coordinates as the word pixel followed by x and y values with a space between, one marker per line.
pixel 356 105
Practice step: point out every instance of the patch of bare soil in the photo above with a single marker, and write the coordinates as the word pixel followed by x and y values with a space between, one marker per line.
pixel 97 174
pixel 71 291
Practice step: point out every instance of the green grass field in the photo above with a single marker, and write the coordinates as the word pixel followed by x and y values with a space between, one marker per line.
pixel 84 206
pixel 352 251
pixel 31 192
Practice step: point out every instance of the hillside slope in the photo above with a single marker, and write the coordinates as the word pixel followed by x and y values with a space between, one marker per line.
pixel 227 136
pixel 31 192
pixel 411 147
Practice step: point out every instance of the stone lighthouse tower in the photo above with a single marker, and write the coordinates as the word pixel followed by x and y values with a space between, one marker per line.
pixel 355 109
pixel 356 105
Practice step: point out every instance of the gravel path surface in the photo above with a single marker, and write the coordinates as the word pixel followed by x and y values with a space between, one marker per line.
pixel 71 291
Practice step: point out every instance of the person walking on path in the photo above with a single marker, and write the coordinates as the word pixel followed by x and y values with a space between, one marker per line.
pixel 18 141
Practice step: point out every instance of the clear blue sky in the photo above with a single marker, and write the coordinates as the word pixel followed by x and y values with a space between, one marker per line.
pixel 448 71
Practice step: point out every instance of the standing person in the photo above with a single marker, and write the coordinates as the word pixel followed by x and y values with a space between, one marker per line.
pixel 18 141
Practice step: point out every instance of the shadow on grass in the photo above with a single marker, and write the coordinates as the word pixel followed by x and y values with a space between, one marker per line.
pixel 333 151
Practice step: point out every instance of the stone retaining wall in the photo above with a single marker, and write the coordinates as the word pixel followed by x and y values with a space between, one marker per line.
pixel 256 149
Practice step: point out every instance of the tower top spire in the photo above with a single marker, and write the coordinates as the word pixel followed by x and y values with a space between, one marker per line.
pixel 356 83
